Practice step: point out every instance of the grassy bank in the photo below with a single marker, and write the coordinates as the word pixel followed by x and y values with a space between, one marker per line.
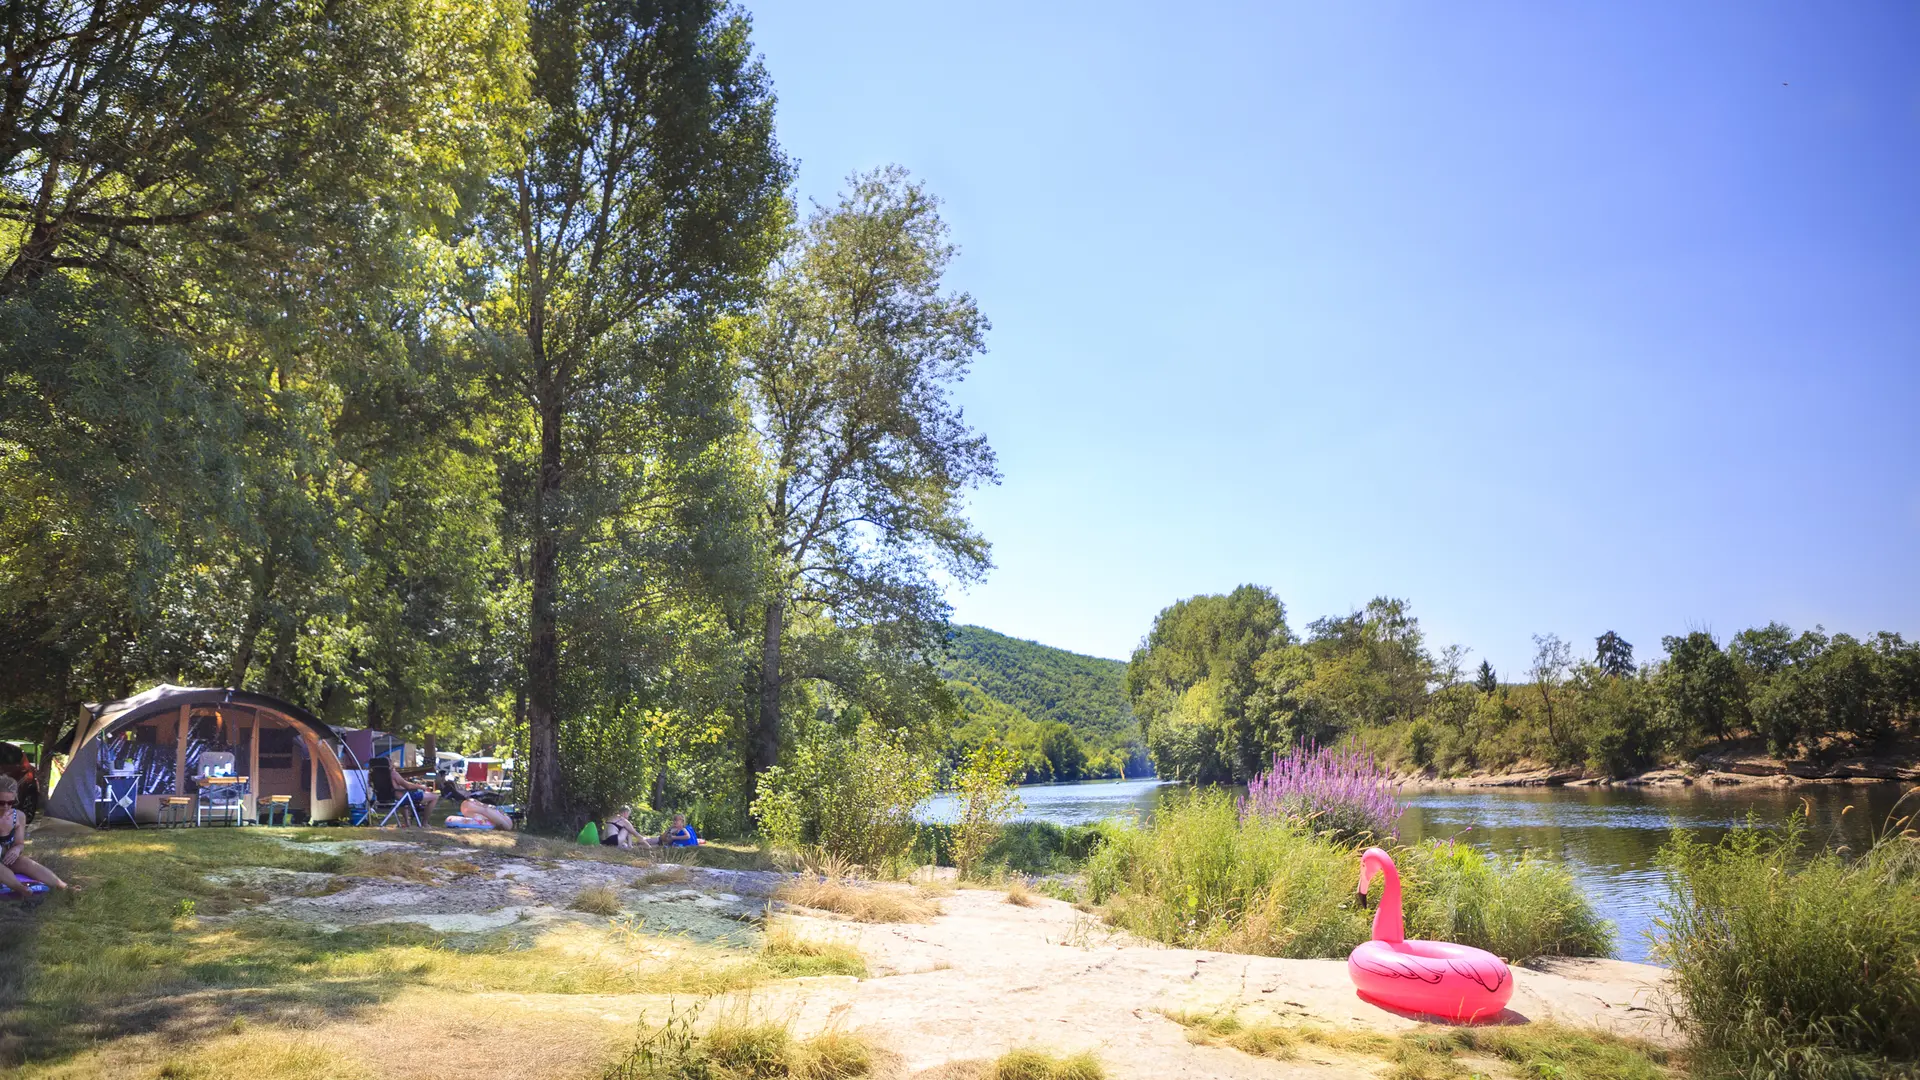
pixel 1789 966
pixel 165 943
pixel 1201 877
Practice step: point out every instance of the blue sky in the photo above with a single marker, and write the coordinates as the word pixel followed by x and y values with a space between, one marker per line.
pixel 1545 319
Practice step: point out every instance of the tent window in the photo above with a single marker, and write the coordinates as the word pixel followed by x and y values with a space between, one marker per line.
pixel 276 747
pixel 138 750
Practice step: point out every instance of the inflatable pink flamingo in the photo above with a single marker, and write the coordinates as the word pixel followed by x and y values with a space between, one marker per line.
pixel 1434 977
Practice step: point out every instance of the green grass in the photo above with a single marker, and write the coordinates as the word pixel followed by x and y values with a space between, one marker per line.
pixel 733 1048
pixel 1541 1049
pixel 1200 877
pixel 1031 1063
pixel 1520 908
pixel 1795 967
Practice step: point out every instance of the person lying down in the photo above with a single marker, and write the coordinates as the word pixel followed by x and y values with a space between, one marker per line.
pixel 473 813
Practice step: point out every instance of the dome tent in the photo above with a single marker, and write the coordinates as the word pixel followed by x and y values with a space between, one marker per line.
pixel 158 737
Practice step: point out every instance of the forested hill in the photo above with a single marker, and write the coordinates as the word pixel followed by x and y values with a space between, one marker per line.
pixel 1044 686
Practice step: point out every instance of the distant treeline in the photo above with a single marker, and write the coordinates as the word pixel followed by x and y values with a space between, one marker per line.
pixel 1064 715
pixel 1223 682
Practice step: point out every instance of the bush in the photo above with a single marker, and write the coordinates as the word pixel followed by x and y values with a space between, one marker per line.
pixel 1518 908
pixel 852 797
pixel 1790 967
pixel 1342 792
pixel 983 786
pixel 1023 847
pixel 1203 878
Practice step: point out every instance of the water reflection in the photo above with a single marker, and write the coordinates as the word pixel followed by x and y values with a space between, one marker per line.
pixel 1609 837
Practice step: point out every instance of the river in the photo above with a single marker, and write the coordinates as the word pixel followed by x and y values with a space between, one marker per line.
pixel 1608 837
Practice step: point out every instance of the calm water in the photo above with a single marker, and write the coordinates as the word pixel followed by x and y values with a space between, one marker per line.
pixel 1608 837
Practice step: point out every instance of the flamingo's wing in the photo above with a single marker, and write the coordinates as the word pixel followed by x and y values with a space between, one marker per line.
pixel 1485 969
pixel 1397 966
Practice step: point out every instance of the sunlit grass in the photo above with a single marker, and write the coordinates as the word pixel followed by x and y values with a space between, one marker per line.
pixel 1540 1049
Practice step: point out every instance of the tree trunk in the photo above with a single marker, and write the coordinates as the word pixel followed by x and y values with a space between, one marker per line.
pixel 546 802
pixel 432 753
pixel 766 733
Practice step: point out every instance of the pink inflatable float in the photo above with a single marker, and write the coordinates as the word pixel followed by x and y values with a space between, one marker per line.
pixel 1434 977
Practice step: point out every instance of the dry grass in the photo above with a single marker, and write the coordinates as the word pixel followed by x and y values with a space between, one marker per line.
pixel 1024 1063
pixel 596 900
pixel 1019 895
pixel 789 953
pixel 860 902
pixel 1442 1053
pixel 399 865
pixel 666 875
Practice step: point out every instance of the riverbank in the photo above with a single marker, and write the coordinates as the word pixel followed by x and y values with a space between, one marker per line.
pixel 276 954
pixel 1728 764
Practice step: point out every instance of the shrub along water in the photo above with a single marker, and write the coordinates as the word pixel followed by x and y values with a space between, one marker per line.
pixel 1520 908
pixel 1796 967
pixel 1203 876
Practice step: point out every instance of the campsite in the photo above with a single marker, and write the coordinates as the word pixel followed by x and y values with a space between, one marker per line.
pixel 778 540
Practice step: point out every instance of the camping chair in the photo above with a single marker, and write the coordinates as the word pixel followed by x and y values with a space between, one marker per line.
pixel 384 802
pixel 219 796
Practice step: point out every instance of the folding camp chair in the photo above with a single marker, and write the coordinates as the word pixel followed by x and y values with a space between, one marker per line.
pixel 220 795
pixel 384 803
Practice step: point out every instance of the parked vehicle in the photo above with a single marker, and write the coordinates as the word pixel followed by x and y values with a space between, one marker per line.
pixel 15 763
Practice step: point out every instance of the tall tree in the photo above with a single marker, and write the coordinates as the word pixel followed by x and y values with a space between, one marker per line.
pixel 1551 661
pixel 1613 654
pixel 646 208
pixel 1698 685
pixel 848 364
pixel 207 212
pixel 1486 681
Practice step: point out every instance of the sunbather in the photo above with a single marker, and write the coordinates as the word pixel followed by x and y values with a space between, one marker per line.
pixel 473 809
pixel 13 843
pixel 619 831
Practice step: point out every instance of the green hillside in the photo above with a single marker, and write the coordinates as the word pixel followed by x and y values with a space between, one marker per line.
pixel 1065 713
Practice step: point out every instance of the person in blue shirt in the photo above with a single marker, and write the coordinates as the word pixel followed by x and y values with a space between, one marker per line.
pixel 680 834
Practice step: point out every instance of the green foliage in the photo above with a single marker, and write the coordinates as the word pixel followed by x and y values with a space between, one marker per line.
pixel 983 789
pixel 1199 877
pixel 850 796
pixel 1023 847
pixel 1066 715
pixel 1519 908
pixel 847 365
pixel 1221 686
pixel 1794 967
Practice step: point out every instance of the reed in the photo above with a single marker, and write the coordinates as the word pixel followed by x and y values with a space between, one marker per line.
pixel 1787 965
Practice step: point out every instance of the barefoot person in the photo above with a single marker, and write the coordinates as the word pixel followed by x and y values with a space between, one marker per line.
pixel 620 832
pixel 399 788
pixel 13 843
pixel 473 809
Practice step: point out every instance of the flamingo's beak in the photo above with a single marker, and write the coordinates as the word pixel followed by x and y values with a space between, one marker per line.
pixel 1362 897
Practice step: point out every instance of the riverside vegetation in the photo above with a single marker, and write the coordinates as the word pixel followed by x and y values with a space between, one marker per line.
pixel 1222 683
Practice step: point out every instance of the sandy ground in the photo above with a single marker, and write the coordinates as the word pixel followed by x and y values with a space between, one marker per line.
pixel 983 977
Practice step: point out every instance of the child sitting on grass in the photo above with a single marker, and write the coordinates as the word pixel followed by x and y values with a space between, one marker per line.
pixel 13 843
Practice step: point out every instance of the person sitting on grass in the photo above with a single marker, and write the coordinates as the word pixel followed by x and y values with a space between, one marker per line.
pixel 473 809
pixel 397 788
pixel 619 831
pixel 680 834
pixel 13 843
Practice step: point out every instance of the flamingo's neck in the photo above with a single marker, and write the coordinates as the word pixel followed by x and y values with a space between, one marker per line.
pixel 1388 926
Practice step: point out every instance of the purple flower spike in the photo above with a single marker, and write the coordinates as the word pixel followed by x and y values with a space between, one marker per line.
pixel 1343 791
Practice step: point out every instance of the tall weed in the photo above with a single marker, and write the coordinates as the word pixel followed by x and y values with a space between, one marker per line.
pixel 1519 908
pixel 1200 877
pixel 1792 967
